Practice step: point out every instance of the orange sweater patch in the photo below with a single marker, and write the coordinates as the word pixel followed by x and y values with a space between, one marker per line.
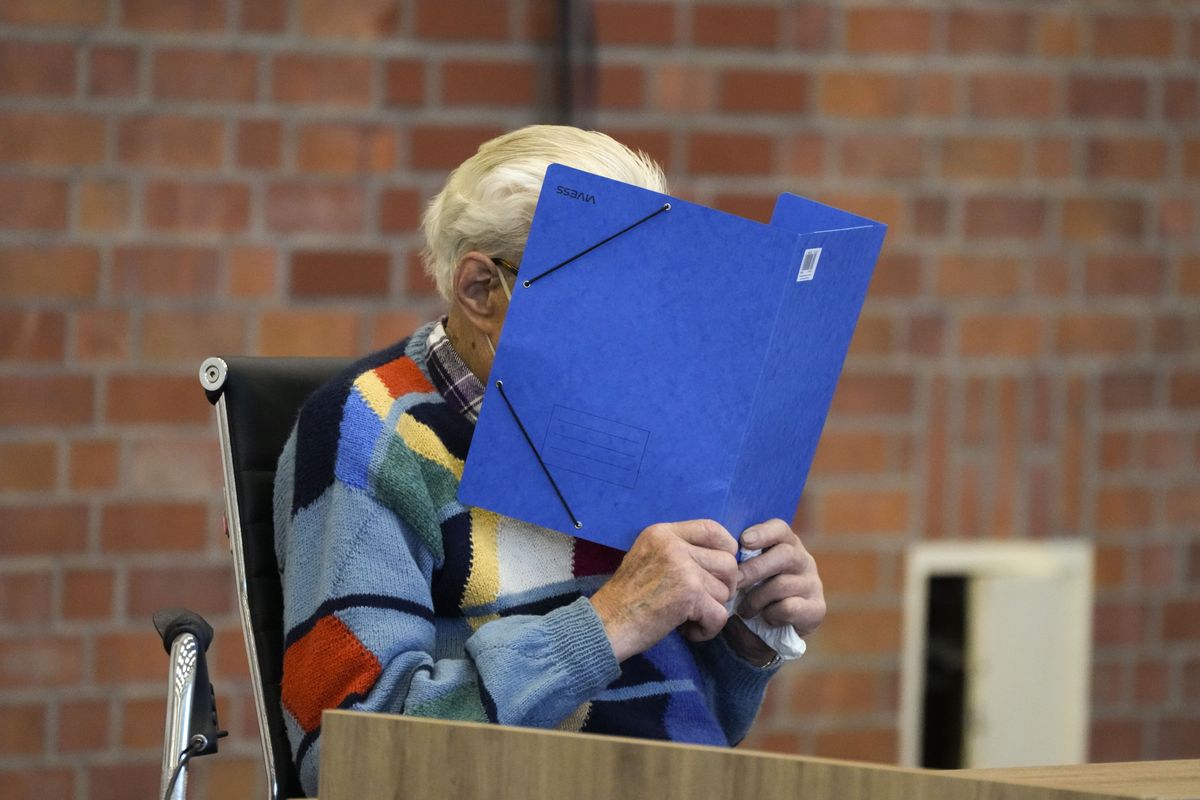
pixel 323 668
pixel 403 376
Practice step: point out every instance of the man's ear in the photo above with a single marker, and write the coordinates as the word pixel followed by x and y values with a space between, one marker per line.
pixel 477 292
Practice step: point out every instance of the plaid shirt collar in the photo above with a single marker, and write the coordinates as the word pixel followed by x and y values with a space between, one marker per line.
pixel 456 383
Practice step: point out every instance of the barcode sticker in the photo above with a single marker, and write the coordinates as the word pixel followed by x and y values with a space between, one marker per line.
pixel 808 265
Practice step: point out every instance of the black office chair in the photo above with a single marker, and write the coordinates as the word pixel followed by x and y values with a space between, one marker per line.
pixel 256 401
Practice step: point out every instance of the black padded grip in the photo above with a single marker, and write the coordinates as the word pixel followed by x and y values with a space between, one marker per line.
pixel 171 622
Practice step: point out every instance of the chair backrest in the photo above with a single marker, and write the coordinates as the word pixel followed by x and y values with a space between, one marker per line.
pixel 256 401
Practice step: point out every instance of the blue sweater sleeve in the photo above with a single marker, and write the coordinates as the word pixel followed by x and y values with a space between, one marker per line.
pixel 733 687
pixel 361 632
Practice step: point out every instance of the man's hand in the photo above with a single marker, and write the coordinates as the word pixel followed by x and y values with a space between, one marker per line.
pixel 675 573
pixel 789 590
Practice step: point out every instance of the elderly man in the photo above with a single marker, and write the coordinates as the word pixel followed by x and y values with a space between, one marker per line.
pixel 397 598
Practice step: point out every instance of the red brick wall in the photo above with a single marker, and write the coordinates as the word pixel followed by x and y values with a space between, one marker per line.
pixel 185 177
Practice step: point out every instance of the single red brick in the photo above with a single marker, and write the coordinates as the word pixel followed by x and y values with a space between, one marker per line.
pixel 982 157
pixel 346 149
pixel 171 141
pixel 1181 621
pixel 731 153
pixel 153 527
pixel 264 16
pixel 142 720
pixel 193 74
pixel 989 216
pixel 446 146
pixel 42 530
pixel 102 335
pixel 1053 158
pixel 751 206
pixel 197 207
pixel 146 398
pixel 860 631
pixel 879 29
pixel 882 156
pixel 462 19
pixel 399 210
pixel 1127 390
pixel 34 335
pixel 174 15
pixel 1189 275
pixel 1176 217
pixel 1001 335
pixel 1091 218
pixel 113 72
pixel 363 20
pixel 104 205
pixel 405 82
pixel 340 273
pixel 1115 740
pixel 863 94
pixel 309 333
pixel 1107 97
pixel 1185 389
pixel 170 465
pixel 875 393
pixel 128 658
pixel 1111 334
pixel 962 275
pixel 1164 450
pixel 986 31
pixel 190 336
pixel 37 68
pixel 1171 334
pixel 65 12
pixel 684 87
pixel 196 586
pixel 1014 94
pixel 35 138
pixel 24 273
pixel 88 594
pixel 1124 274
pixel 835 693
pixel 327 80
pixel 620 86
pixel 28 466
pixel 1137 158
pixel 27 597
pixel 45 400
pixel 34 661
pixel 489 83
pixel 1124 508
pixel 295 207
pixel 252 271
pixel 751 26
pixel 849 453
pixel 764 91
pixel 259 143
pixel 1181 101
pixel 1058 35
pixel 33 203
pixel 22 729
pixel 618 22
pixel 1139 35
pixel 166 270
pixel 392 326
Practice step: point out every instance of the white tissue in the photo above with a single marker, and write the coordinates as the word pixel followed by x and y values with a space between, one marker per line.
pixel 783 639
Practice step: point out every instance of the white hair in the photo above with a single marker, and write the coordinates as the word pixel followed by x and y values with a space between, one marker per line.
pixel 488 201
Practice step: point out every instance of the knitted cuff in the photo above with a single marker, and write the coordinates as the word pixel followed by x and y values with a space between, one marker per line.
pixel 581 646
pixel 738 677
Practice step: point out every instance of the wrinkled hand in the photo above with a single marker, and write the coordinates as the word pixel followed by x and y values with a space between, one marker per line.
pixel 789 590
pixel 676 574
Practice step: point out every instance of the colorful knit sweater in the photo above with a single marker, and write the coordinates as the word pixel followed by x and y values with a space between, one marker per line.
pixel 399 599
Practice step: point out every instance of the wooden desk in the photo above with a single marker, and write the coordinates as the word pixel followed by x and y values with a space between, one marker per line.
pixel 376 755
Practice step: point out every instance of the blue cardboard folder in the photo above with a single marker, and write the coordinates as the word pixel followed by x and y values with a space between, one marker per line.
pixel 664 361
